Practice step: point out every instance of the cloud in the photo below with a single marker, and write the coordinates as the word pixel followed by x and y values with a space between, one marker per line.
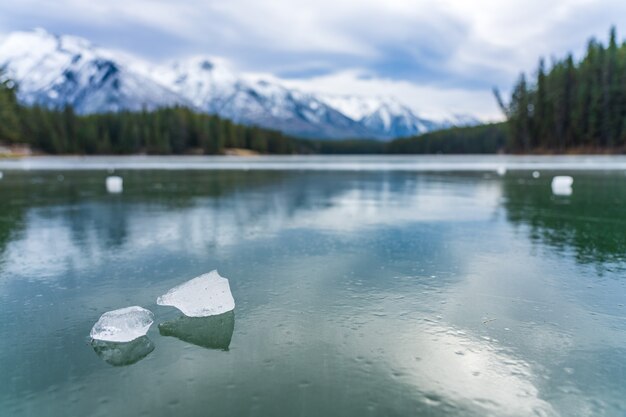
pixel 451 48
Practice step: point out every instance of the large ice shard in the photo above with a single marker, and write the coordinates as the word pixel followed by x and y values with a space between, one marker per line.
pixel 123 353
pixel 206 295
pixel 214 332
pixel 122 325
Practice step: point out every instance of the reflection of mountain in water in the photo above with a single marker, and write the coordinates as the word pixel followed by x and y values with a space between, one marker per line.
pixel 122 354
pixel 213 332
pixel 590 221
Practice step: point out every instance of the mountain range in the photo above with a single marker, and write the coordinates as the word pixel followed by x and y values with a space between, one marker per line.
pixel 56 71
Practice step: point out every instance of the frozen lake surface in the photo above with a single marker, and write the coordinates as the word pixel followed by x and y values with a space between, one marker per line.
pixel 397 286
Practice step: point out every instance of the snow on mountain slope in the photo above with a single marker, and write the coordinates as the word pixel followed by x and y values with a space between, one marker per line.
pixel 215 88
pixel 55 71
pixel 460 120
pixel 386 118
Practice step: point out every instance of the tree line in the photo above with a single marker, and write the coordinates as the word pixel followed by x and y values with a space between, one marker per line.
pixel 482 139
pixel 571 104
pixel 174 130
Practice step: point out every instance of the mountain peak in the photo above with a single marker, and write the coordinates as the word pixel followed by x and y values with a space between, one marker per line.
pixel 59 70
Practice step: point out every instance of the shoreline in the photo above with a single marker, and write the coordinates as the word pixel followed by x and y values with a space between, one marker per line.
pixel 494 164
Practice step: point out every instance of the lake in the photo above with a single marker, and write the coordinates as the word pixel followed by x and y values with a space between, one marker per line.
pixel 364 286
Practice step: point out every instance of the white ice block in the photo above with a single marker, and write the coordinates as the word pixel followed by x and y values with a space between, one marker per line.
pixel 122 325
pixel 206 295
pixel 562 185
pixel 114 184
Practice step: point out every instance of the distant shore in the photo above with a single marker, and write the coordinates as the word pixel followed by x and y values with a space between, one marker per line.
pixel 21 151
pixel 495 166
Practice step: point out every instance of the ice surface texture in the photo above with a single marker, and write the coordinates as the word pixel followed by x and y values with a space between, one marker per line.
pixel 206 295
pixel 562 185
pixel 114 184
pixel 122 325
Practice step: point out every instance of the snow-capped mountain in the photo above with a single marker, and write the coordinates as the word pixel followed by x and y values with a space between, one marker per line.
pixel 212 87
pixel 64 70
pixel 385 118
pixel 459 120
pixel 55 71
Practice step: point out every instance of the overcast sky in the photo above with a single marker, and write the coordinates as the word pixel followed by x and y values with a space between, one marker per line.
pixel 438 56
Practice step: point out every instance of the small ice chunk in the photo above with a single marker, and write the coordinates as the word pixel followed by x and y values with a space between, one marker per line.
pixel 206 295
pixel 536 174
pixel 114 184
pixel 1 175
pixel 501 170
pixel 562 185
pixel 122 325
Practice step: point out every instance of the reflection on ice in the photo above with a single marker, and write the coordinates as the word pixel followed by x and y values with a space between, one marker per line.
pixel 206 295
pixel 462 367
pixel 122 354
pixel 122 325
pixel 458 368
pixel 213 332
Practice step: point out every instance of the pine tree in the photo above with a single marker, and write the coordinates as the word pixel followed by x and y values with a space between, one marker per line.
pixel 10 129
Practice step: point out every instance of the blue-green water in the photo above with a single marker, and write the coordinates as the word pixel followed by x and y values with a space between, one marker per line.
pixel 377 293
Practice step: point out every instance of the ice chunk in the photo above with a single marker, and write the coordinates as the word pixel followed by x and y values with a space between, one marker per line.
pixel 562 181
pixel 123 353
pixel 206 295
pixel 114 184
pixel 214 332
pixel 536 174
pixel 501 170
pixel 562 185
pixel 122 325
pixel 1 175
